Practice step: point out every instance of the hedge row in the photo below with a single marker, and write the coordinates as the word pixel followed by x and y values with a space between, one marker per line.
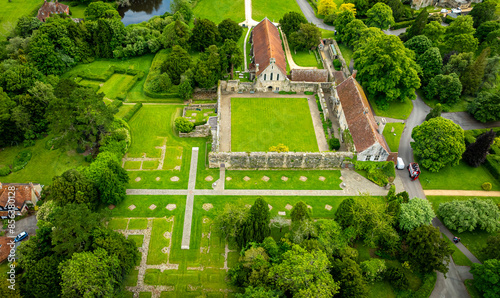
pixel 155 71
pixel 402 25
pixel 137 77
pixel 115 105
pixel 493 165
pixel 132 112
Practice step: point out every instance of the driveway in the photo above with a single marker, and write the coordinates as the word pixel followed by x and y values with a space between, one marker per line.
pixel 466 121
pixel 27 224
pixel 308 12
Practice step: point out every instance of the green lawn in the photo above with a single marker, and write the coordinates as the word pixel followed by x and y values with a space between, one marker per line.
pixel 327 33
pixel 137 224
pixel 138 239
pixel 306 59
pixel 458 257
pixel 396 109
pixel 474 241
pixel 44 163
pixel 460 106
pixel 346 53
pixel 158 241
pixel 219 10
pixel 332 179
pixel 152 126
pixel 115 85
pixel 453 178
pixel 76 11
pixel 273 9
pixel 259 123
pixel 11 11
pixel 200 115
pixel 393 137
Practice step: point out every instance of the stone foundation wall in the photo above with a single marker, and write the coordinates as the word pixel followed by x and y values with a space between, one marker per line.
pixel 200 131
pixel 252 160
pixel 324 107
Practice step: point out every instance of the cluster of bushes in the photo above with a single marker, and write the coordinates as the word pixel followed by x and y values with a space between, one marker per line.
pixel 334 143
pixel 378 172
pixel 152 83
pixel 337 64
pixel 20 161
pixel 470 214
pixel 132 112
pixel 183 125
pixel 287 92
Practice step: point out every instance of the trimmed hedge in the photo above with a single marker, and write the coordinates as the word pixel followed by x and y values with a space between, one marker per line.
pixel 402 25
pixel 132 112
pixel 492 163
pixel 4 171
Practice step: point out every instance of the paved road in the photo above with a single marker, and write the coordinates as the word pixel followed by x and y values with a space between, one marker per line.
pixel 466 121
pixel 395 32
pixel 27 224
pixel 308 12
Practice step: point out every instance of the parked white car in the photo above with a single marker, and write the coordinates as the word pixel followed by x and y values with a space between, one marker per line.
pixel 400 165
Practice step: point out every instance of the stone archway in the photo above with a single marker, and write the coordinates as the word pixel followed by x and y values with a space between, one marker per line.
pixel 270 88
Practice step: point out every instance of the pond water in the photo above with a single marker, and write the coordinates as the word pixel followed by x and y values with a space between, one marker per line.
pixel 143 10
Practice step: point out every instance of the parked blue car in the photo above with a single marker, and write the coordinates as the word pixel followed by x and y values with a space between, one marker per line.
pixel 21 236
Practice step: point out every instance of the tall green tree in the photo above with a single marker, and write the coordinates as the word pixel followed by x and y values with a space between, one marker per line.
pixel 434 31
pixel 389 76
pixel 176 63
pixel 418 44
pixel 473 76
pixel 486 28
pixel 42 280
pixel 475 153
pixel 231 220
pixel 486 277
pixel 380 16
pixel 291 22
pixel 427 251
pixel 459 35
pixel 491 249
pixel 231 55
pixel 483 12
pixel 229 29
pixel 353 31
pixel 350 277
pixel 418 26
pixel 256 227
pixel 300 212
pixel 90 274
pixel 438 142
pixel 99 10
pixel 184 7
pixel 458 63
pixel 304 274
pixel 431 63
pixel 204 34
pixel 342 20
pixel 470 215
pixel 485 107
pixel 306 37
pixel 415 213
pixel 176 33
pixel 445 88
pixel 72 187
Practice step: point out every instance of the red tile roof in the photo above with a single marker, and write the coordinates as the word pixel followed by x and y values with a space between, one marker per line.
pixel 22 194
pixel 309 75
pixel 266 45
pixel 338 76
pixel 360 120
pixel 49 8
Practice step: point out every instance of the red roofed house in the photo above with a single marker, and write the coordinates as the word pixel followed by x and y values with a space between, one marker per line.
pixel 19 195
pixel 354 113
pixel 268 62
pixel 49 8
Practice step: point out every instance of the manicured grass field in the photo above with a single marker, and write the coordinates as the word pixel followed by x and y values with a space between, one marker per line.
pixel 44 163
pixel 259 123
pixel 393 138
pixel 474 241
pixel 396 110
pixel 152 126
pixel 273 9
pixel 10 12
pixel 200 115
pixel 327 33
pixel 306 59
pixel 115 85
pixel 453 178
pixel 458 257
pixel 76 11
pixel 346 53
pixel 219 10
pixel 137 224
pixel 460 106
pixel 332 180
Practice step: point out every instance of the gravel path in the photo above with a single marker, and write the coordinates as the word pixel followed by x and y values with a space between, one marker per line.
pixel 465 193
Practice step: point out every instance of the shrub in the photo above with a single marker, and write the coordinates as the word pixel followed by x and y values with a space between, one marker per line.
pixel 115 105
pixel 486 186
pixel 334 143
pixel 132 112
pixel 88 158
pixel 397 278
pixel 183 125
pixel 470 214
pixel 492 163
pixel 377 172
pixel 308 93
pixel 21 160
pixel 279 148
pixel 80 150
pixel 373 269
pixel 337 64
pixel 4 171
pixel 402 24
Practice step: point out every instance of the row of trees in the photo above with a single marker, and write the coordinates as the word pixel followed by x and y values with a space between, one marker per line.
pixel 301 34
pixel 317 258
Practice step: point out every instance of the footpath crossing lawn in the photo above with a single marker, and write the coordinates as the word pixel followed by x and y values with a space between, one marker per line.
pixel 259 123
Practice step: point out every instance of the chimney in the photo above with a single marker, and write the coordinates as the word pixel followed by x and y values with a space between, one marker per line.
pixel 381 126
pixel 354 74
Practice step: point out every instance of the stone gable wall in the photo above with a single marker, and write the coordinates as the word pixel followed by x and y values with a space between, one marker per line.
pixel 264 160
pixel 200 131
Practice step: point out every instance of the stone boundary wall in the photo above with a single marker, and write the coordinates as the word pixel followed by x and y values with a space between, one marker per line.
pixel 345 69
pixel 216 137
pixel 200 131
pixel 324 107
pixel 193 107
pixel 255 160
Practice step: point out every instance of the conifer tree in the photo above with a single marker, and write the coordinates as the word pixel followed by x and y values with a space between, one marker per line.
pixel 475 153
pixel 473 77
pixel 418 26
pixel 300 212
pixel 256 227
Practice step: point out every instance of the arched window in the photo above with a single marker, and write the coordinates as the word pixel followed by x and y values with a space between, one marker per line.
pixel 271 76
pixel 264 77
pixel 277 77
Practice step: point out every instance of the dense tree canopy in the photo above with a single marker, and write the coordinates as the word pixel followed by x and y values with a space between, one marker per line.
pixel 72 187
pixel 342 20
pixel 418 44
pixel 306 38
pixel 415 213
pixel 256 227
pixel 438 142
pixel 176 33
pixel 485 107
pixel 380 16
pixel 470 214
pixel 431 63
pixel 418 26
pixel 177 62
pixel 352 32
pixel 486 277
pixel 475 153
pixel 291 22
pixel 229 29
pixel 204 34
pixel 483 12
pixel 386 69
pixel 444 88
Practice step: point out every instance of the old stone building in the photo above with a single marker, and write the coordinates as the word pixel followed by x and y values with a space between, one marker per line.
pixel 417 4
pixel 268 65
pixel 354 113
pixel 49 8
